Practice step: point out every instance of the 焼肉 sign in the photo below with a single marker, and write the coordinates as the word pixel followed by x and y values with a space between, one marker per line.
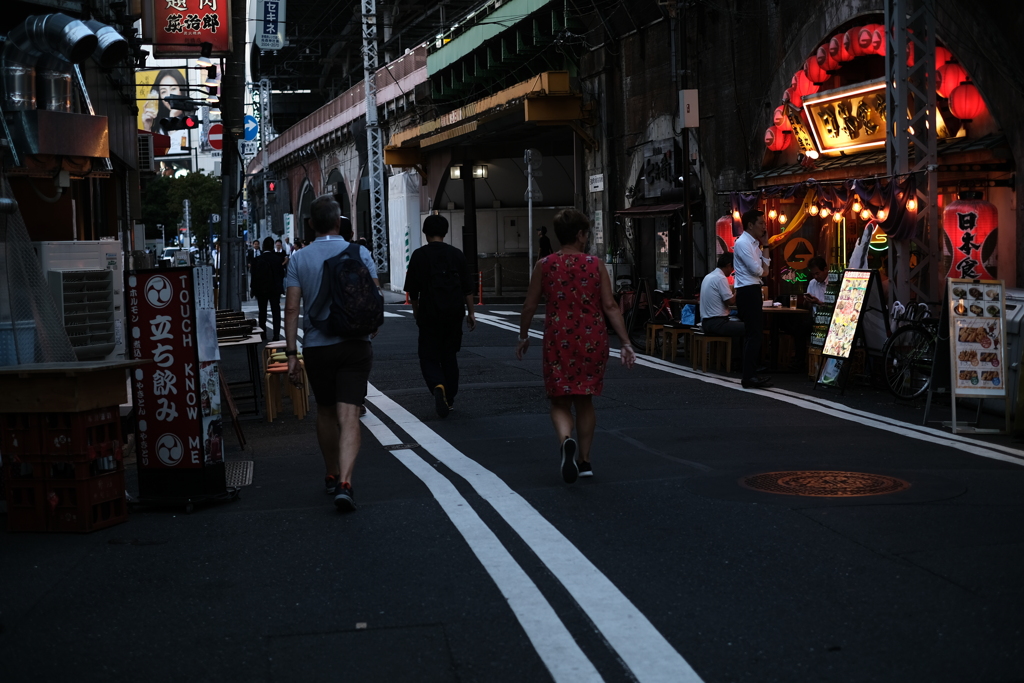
pixel 180 27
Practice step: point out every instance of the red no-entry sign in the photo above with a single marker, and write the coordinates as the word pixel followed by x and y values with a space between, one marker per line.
pixel 217 136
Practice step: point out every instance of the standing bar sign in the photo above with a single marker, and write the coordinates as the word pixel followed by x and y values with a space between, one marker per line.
pixel 977 336
pixel 177 396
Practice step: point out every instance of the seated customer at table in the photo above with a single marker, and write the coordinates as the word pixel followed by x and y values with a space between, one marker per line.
pixel 816 286
pixel 716 298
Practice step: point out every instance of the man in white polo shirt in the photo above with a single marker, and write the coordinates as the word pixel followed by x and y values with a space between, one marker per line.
pixel 751 261
pixel 717 299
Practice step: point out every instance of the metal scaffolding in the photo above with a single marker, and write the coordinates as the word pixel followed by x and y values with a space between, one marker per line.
pixel 911 147
pixel 374 145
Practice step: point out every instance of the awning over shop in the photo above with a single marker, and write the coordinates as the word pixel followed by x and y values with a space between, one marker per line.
pixel 652 210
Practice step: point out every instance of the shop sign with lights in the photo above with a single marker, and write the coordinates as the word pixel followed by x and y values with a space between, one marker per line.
pixel 799 128
pixel 180 27
pixel 848 119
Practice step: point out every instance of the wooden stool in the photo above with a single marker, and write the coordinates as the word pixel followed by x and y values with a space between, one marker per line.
pixel 670 340
pixel 269 350
pixel 299 395
pixel 652 337
pixel 704 346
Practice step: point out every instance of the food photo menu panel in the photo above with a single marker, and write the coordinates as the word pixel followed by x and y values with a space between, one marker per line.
pixel 978 335
pixel 846 315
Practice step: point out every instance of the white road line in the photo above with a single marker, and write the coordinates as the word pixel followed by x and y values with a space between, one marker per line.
pixel 392 315
pixel 549 636
pixel 643 650
pixel 920 432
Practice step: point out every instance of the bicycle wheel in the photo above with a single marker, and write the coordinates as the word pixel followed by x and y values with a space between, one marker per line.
pixel 907 360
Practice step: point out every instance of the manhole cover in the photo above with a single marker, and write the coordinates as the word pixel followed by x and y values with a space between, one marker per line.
pixel 238 473
pixel 824 484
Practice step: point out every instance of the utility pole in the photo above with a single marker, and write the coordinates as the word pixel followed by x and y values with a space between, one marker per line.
pixel 232 275
pixel 264 122
pixel 374 146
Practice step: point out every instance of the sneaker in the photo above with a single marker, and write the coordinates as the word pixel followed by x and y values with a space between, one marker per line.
pixel 331 481
pixel 362 411
pixel 569 469
pixel 344 499
pixel 440 402
pixel 757 383
pixel 584 468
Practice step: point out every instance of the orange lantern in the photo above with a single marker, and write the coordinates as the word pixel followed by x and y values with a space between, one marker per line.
pixel 802 85
pixel 970 224
pixel 814 71
pixel 775 139
pixel 725 234
pixel 950 75
pixel 965 102
pixel 825 60
pixel 878 40
pixel 780 119
pixel 838 50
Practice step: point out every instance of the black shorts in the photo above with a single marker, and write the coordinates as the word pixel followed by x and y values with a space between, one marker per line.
pixel 339 373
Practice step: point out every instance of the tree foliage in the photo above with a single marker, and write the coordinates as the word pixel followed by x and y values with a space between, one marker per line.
pixel 163 203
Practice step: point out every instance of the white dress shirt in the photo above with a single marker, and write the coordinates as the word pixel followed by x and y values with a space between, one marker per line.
pixel 817 290
pixel 714 292
pixel 749 261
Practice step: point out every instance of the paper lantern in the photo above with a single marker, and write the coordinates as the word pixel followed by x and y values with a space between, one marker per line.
pixel 792 97
pixel 950 75
pixel 725 233
pixel 775 139
pixel 838 50
pixel 780 119
pixel 970 223
pixel 825 60
pixel 851 41
pixel 965 102
pixel 814 71
pixel 866 39
pixel 802 85
pixel 942 55
pixel 878 40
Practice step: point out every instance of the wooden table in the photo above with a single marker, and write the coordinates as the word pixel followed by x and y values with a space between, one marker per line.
pixel 771 314
pixel 249 343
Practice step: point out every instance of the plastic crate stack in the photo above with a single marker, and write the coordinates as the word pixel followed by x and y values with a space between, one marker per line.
pixel 63 472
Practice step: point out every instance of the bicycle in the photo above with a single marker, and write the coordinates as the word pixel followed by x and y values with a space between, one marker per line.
pixel 907 355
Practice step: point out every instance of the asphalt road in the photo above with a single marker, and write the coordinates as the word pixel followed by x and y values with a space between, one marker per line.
pixel 470 560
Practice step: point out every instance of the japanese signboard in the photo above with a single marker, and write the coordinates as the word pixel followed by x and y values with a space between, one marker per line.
pixel 978 337
pixel 180 27
pixel 177 397
pixel 270 35
pixel 848 119
pixel 971 239
pixel 658 169
pixel 798 126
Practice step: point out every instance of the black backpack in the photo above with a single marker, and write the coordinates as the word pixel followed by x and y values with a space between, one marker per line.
pixel 356 305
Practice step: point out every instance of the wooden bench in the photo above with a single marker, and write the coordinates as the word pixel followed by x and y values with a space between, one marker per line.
pixel 705 346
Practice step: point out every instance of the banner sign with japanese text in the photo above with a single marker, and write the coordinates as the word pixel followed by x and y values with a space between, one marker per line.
pixel 177 397
pixel 270 33
pixel 180 27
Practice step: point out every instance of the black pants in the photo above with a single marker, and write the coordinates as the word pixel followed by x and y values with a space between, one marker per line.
pixel 439 345
pixel 723 327
pixel 748 304
pixel 275 313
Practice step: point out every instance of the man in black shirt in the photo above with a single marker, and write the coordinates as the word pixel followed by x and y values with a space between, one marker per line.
pixel 545 241
pixel 440 292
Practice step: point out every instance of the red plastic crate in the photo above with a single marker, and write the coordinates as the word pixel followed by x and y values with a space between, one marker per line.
pixel 26 504
pixel 86 505
pixel 69 435
pixel 19 434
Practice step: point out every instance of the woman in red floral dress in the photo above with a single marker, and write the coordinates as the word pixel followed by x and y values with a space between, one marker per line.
pixel 579 297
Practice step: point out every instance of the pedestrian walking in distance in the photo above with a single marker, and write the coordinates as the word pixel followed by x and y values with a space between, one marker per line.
pixel 579 299
pixel 267 286
pixel 338 367
pixel 440 293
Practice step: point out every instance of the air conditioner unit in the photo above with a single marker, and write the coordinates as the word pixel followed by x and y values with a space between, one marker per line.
pixel 146 160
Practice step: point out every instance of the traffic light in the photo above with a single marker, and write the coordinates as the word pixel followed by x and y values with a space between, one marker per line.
pixel 183 122
pixel 271 187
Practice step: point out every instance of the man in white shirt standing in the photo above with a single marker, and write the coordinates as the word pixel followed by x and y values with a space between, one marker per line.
pixel 751 261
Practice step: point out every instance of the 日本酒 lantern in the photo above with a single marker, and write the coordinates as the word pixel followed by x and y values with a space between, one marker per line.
pixel 780 119
pixel 970 224
pixel 878 40
pixel 838 50
pixel 950 75
pixel 775 139
pixel 802 85
pixel 965 102
pixel 825 60
pixel 815 72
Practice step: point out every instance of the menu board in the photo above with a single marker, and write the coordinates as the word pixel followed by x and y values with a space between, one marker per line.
pixel 977 321
pixel 846 315
pixel 823 311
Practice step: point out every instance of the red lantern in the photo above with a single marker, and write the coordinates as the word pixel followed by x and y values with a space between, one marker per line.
pixel 775 139
pixel 970 224
pixel 780 119
pixel 725 234
pixel 950 76
pixel 802 85
pixel 965 102
pixel 942 55
pixel 878 40
pixel 814 72
pixel 793 98
pixel 838 50
pixel 866 39
pixel 851 41
pixel 825 60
